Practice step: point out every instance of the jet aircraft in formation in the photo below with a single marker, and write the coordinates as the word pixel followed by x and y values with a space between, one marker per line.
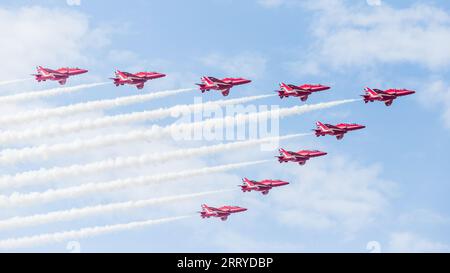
pixel 301 91
pixel 386 96
pixel 60 75
pixel 224 86
pixel 263 186
pixel 220 212
pixel 337 130
pixel 138 79
pixel 299 157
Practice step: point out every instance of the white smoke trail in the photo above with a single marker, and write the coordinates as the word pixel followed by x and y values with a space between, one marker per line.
pixel 19 199
pixel 41 114
pixel 43 152
pixel 46 93
pixel 48 238
pixel 14 81
pixel 77 213
pixel 87 124
pixel 57 173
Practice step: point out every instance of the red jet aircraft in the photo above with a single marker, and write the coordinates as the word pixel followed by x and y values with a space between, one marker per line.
pixel 223 85
pixel 386 96
pixel 137 79
pixel 263 186
pixel 302 91
pixel 60 74
pixel 299 157
pixel 337 130
pixel 222 212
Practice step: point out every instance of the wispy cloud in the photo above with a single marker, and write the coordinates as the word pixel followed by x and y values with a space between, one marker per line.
pixel 338 193
pixel 436 94
pixel 250 65
pixel 411 242
pixel 374 2
pixel 349 36
pixel 27 48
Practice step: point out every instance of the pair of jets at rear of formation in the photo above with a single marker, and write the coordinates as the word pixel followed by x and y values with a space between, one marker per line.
pixel 248 185
pixel 222 85
pixel 266 185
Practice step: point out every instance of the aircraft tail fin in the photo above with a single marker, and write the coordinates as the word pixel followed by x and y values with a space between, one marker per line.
pixel 205 208
pixel 283 151
pixel 247 181
pixel 370 92
pixel 207 81
pixel 285 87
pixel 320 125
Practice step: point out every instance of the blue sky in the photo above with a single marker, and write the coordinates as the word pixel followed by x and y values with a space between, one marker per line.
pixel 387 183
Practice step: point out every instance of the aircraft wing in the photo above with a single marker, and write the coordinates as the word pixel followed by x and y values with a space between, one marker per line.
pixel 133 77
pixel 302 92
pixel 387 95
pixel 389 102
pixel 300 157
pixel 222 213
pixel 60 76
pixel 336 129
pixel 55 73
pixel 264 186
pixel 223 84
pixel 139 79
pixel 214 209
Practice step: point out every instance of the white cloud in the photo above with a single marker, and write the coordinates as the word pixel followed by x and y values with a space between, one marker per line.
pixel 373 2
pixel 232 241
pixel 73 2
pixel 336 193
pixel 410 242
pixel 348 36
pixel 50 37
pixel 437 95
pixel 279 3
pixel 423 216
pixel 249 65
pixel 271 3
